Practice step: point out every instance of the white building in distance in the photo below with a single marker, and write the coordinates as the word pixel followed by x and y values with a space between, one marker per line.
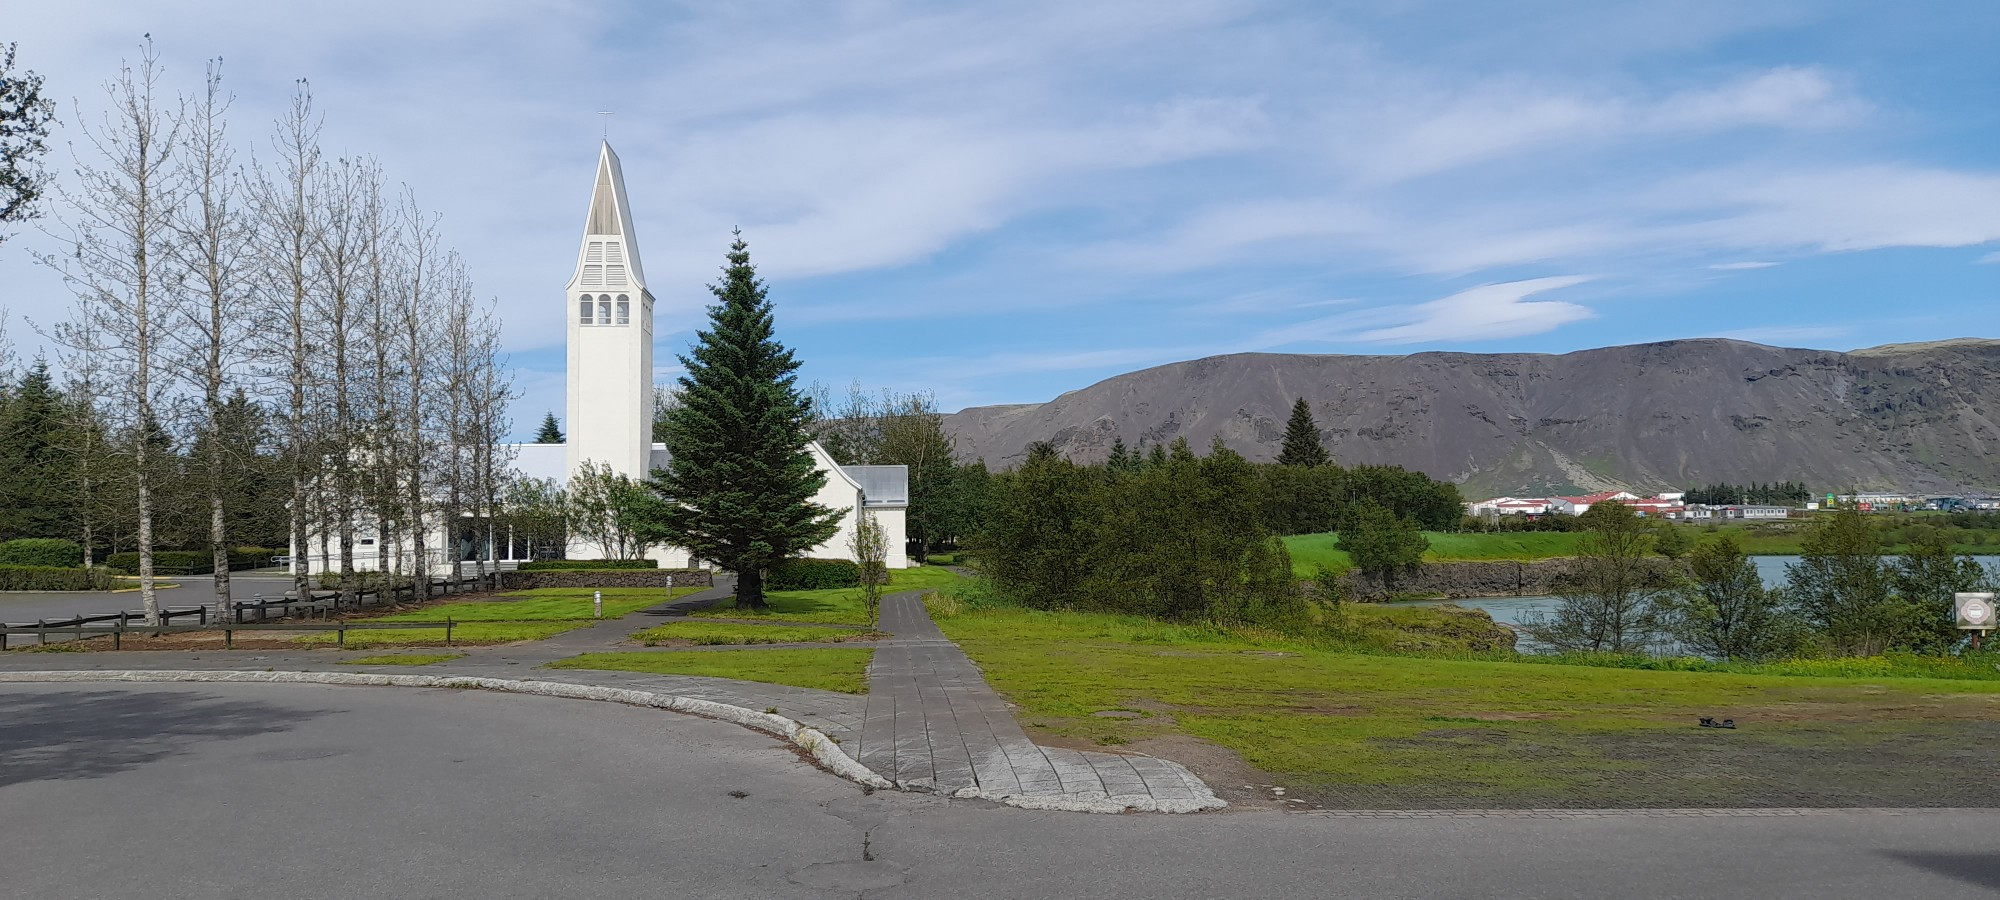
pixel 610 411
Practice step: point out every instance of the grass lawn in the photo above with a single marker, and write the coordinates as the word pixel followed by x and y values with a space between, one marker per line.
pixel 840 670
pixel 543 605
pixel 401 659
pixel 719 633
pixel 1310 551
pixel 1343 729
pixel 834 606
pixel 469 633
pixel 518 616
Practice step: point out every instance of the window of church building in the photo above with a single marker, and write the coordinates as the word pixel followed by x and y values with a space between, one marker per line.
pixel 583 310
pixel 603 309
pixel 624 310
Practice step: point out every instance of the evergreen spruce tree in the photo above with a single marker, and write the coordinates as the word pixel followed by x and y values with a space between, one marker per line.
pixel 551 432
pixel 739 484
pixel 1302 446
pixel 1122 459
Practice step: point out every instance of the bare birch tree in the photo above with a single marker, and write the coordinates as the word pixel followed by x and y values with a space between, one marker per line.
pixel 340 251
pixel 118 262
pixel 211 249
pixel 287 225
pixel 416 302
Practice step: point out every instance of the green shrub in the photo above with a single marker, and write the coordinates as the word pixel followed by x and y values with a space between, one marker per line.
pixel 54 553
pixel 813 575
pixel 53 578
pixel 587 565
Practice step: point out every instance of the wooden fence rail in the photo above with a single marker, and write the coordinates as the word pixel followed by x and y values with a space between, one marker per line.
pixel 118 631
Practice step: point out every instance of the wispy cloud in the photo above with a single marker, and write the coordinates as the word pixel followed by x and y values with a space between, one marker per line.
pixel 1741 266
pixel 1487 312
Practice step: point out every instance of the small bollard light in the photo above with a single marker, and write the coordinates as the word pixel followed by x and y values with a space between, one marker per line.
pixel 597 604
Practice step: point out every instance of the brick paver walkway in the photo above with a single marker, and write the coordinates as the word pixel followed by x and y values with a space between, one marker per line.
pixel 932 723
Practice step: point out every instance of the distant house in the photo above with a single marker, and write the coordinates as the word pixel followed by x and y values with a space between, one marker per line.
pixel 1576 506
pixel 1701 513
pixel 1509 506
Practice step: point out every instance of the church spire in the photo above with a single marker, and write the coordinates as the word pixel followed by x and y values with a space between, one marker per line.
pixel 609 257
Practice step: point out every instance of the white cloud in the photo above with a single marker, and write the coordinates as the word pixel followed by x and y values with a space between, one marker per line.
pixel 1741 266
pixel 1989 258
pixel 1487 312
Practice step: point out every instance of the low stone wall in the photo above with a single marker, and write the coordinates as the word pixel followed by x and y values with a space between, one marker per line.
pixel 607 578
pixel 1496 578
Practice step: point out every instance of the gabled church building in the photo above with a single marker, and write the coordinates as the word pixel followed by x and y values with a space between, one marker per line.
pixel 610 405
pixel 609 311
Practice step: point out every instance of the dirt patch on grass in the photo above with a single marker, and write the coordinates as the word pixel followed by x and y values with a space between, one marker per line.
pixel 1232 779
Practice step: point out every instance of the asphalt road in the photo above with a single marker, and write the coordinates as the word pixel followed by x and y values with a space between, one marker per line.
pixel 192 590
pixel 257 791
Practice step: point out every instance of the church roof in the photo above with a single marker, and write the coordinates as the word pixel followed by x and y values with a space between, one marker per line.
pixel 882 485
pixel 611 213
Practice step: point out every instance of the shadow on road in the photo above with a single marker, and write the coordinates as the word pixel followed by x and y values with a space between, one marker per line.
pixel 1979 869
pixel 83 734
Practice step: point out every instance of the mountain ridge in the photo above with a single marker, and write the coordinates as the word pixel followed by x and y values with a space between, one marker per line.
pixel 1914 416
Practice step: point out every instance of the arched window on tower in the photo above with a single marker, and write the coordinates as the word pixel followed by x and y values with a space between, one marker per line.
pixel 624 310
pixel 583 310
pixel 603 309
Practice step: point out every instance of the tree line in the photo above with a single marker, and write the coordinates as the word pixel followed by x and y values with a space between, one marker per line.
pixel 1844 597
pixel 283 337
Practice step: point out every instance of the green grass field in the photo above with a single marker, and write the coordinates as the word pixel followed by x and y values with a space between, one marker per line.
pixel 468 633
pixel 1360 730
pixel 834 606
pixel 840 670
pixel 721 633
pixel 518 616
pixel 543 605
pixel 1311 551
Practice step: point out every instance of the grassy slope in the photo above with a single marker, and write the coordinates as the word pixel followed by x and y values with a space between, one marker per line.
pixel 834 606
pixel 840 670
pixel 1329 723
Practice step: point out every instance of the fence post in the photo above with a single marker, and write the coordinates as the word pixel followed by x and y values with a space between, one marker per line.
pixel 118 634
pixel 340 632
pixel 447 631
pixel 228 637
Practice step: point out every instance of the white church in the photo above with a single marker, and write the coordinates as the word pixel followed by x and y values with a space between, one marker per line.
pixel 610 406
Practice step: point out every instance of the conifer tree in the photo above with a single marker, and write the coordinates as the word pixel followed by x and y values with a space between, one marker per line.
pixel 551 432
pixel 1302 446
pixel 1122 459
pixel 739 483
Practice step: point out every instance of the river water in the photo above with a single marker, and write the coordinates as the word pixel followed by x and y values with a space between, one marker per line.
pixel 1511 610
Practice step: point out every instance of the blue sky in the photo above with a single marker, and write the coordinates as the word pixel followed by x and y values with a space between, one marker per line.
pixel 1001 202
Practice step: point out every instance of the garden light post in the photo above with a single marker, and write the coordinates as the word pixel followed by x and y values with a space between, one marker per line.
pixel 597 604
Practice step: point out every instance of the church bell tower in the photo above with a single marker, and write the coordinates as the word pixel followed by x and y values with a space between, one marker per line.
pixel 610 316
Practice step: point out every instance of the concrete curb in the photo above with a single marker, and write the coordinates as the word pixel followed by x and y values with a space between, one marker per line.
pixel 822 748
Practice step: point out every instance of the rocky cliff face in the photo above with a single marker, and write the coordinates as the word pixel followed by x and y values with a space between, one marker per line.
pixel 1915 417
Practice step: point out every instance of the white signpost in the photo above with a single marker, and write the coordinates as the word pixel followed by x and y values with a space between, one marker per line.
pixel 1975 614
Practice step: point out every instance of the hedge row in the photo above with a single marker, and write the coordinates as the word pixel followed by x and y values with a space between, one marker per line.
pixel 812 575
pixel 53 553
pixel 191 562
pixel 571 565
pixel 53 578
